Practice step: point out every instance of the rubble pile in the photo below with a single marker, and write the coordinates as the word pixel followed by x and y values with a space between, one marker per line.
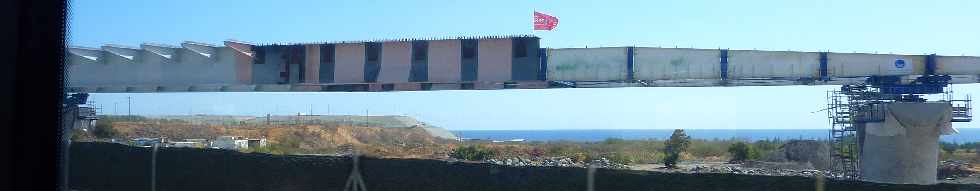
pixel 557 162
pixel 755 171
pixel 815 153
pixel 515 161
pixel 606 163
pixel 955 169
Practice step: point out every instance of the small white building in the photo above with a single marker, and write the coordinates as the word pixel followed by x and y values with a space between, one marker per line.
pixel 186 144
pixel 230 142
pixel 255 143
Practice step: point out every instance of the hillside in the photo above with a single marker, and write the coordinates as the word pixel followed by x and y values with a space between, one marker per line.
pixel 386 121
pixel 412 141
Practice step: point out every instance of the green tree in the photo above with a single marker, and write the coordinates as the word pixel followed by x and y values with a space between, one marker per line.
pixel 103 129
pixel 673 147
pixel 948 147
pixel 739 152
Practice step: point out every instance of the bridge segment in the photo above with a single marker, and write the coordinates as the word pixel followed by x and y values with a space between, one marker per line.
pixel 476 63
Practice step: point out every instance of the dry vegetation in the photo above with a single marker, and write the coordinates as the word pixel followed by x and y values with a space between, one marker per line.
pixel 294 139
pixel 417 143
pixel 408 142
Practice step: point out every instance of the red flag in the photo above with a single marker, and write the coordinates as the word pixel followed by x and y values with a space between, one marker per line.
pixel 544 22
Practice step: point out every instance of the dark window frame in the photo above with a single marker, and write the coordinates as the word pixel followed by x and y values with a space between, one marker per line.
pixel 520 48
pixel 469 50
pixel 259 55
pixel 372 52
pixel 420 51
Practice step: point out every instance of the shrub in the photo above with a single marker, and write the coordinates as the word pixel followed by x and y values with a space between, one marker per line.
pixel 103 129
pixel 948 147
pixel 621 158
pixel 275 149
pixel 673 147
pixel 473 153
pixel 705 148
pixel 739 152
pixel 761 148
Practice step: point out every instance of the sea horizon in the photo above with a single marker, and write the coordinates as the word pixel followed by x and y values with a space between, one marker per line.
pixel 592 135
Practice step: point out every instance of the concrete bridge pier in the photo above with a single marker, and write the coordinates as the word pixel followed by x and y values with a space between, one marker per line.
pixel 904 148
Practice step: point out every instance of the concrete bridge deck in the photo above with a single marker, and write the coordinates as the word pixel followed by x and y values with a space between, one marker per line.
pixel 515 62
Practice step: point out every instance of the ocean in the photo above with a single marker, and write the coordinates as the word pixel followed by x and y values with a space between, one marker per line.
pixel 965 135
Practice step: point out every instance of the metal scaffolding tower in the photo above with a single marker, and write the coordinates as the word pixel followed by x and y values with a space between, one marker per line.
pixel 848 108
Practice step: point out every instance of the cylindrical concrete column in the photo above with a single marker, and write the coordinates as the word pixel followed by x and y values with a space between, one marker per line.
pixel 904 149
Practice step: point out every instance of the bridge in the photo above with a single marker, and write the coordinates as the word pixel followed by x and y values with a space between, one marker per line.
pixel 476 63
pixel 882 128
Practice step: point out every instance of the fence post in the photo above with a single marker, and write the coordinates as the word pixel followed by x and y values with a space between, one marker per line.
pixel 153 168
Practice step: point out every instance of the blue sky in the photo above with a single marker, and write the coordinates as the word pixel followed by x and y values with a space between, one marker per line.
pixel 906 27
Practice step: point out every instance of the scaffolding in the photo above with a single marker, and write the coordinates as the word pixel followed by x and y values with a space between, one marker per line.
pixel 855 105
pixel 846 109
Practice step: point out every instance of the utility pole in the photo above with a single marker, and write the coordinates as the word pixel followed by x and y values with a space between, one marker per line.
pixel 114 108
pixel 129 109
